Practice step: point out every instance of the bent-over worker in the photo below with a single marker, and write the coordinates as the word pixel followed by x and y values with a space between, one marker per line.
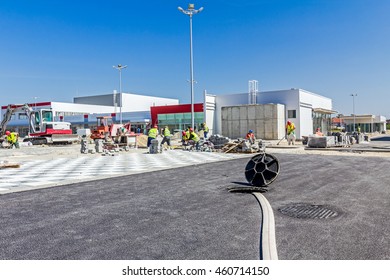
pixel 251 137
pixel 12 139
pixel 194 138
pixel 290 131
pixel 167 136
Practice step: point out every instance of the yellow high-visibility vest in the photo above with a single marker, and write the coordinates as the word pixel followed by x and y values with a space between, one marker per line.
pixel 167 132
pixel 290 128
pixel 153 133
pixel 12 138
pixel 194 136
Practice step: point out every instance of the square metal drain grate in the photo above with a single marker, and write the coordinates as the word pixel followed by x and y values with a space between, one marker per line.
pixel 309 211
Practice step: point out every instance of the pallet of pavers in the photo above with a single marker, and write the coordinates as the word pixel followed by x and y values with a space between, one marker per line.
pixel 321 141
pixel 142 141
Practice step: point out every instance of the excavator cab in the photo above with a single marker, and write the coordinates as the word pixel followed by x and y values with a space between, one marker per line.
pixel 41 120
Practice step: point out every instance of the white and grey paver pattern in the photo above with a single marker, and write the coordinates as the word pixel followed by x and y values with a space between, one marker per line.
pixel 37 173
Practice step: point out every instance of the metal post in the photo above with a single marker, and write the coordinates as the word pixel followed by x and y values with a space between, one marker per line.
pixel 191 11
pixel 120 67
pixel 192 77
pixel 120 96
pixel 353 108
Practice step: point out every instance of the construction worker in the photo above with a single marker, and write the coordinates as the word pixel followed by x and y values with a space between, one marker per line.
pixel 183 138
pixel 193 138
pixel 251 137
pixel 290 132
pixel 205 130
pixel 153 132
pixel 12 139
pixel 318 132
pixel 166 136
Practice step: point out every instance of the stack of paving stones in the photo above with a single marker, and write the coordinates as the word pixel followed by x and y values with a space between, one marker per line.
pixel 218 140
pixel 84 146
pixel 99 146
pixel 153 148
pixel 245 146
pixel 109 153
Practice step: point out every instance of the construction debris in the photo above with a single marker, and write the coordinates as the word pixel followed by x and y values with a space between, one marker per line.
pixel 6 164
pixel 335 140
pixel 218 141
pixel 242 146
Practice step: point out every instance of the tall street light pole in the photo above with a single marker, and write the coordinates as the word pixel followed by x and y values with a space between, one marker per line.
pixel 353 108
pixel 120 67
pixel 190 12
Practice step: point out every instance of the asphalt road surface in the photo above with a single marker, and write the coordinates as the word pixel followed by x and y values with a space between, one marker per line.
pixel 188 213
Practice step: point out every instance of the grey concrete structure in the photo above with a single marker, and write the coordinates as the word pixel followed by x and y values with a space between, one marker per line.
pixel 266 120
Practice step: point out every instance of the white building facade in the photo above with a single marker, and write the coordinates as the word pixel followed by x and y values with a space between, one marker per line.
pixel 305 109
pixel 364 123
pixel 83 112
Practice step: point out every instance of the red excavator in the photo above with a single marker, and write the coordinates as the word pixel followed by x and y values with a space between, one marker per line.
pixel 42 127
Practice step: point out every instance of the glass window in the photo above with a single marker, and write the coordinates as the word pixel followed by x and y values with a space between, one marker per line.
pixel 23 116
pixel 47 116
pixel 37 118
pixel 180 120
pixel 291 114
pixel 161 117
pixel 198 115
pixel 187 116
pixel 170 116
pixel 322 121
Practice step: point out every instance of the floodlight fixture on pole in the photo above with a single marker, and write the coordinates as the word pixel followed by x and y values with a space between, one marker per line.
pixel 35 102
pixel 190 12
pixel 120 67
pixel 353 110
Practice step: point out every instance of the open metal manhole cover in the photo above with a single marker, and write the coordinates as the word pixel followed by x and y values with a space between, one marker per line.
pixel 309 211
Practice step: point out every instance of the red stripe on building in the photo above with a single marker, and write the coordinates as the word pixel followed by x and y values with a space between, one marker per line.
pixel 29 104
pixel 173 109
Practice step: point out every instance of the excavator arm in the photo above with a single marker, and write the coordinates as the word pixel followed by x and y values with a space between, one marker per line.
pixel 11 109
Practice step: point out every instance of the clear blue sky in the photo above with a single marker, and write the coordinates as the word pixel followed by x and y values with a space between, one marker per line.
pixel 56 50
